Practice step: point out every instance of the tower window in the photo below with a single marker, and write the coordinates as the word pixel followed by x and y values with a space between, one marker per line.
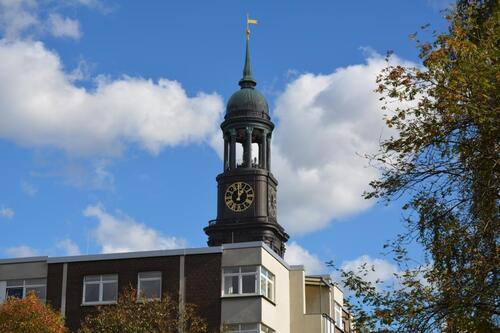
pixel 248 280
pixel 239 154
pixel 255 155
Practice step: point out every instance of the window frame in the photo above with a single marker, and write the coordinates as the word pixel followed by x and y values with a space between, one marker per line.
pixel 240 276
pixel 259 273
pixel 338 311
pixel 139 279
pixel 270 278
pixel 101 283
pixel 26 285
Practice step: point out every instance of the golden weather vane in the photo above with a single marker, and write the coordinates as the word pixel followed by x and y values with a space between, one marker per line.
pixel 249 21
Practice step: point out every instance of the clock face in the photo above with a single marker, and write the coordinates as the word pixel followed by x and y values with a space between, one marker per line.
pixel 239 196
pixel 271 201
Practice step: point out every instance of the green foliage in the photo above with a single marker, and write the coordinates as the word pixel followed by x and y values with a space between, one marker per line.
pixel 444 161
pixel 132 316
pixel 29 315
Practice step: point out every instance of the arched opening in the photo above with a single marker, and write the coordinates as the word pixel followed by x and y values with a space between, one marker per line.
pixel 256 158
pixel 239 155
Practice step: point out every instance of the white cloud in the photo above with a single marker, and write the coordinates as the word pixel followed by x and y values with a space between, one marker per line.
pixel 378 269
pixel 297 255
pixel 6 212
pixel 122 234
pixel 31 18
pixel 40 106
pixel 28 188
pixel 21 251
pixel 326 124
pixel 63 27
pixel 84 173
pixel 69 247
pixel 103 178
pixel 16 16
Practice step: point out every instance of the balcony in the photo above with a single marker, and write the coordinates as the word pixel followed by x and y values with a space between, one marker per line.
pixel 327 324
pixel 317 323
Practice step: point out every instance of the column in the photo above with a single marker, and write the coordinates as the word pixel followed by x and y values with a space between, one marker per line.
pixel 232 149
pixel 226 152
pixel 247 151
pixel 182 292
pixel 263 162
pixel 261 157
pixel 63 289
pixel 268 158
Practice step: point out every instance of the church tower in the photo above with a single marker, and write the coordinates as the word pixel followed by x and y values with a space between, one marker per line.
pixel 246 198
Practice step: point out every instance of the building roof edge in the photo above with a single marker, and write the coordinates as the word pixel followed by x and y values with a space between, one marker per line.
pixel 138 254
pixel 23 260
pixel 154 253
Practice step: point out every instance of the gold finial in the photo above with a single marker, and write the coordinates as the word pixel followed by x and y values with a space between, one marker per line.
pixel 249 21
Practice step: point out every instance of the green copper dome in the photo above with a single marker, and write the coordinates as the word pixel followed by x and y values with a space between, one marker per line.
pixel 247 98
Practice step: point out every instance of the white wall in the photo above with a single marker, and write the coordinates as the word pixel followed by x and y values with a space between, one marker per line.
pixel 251 309
pixel 277 316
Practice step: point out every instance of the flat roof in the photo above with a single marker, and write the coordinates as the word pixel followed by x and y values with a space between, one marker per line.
pixel 136 254
pixel 23 260
pixel 148 254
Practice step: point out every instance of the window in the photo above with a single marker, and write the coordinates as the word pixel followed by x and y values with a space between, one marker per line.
pixel 266 283
pixel 21 288
pixel 240 280
pixel 248 280
pixel 100 289
pixel 248 328
pixel 338 316
pixel 149 285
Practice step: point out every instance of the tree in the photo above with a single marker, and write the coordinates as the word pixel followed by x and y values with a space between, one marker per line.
pixel 29 315
pixel 132 316
pixel 444 162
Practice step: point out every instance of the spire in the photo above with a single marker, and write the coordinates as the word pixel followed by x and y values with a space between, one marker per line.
pixel 247 81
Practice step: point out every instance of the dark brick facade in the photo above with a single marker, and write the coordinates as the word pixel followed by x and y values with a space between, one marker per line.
pixel 202 282
pixel 54 283
pixel 203 286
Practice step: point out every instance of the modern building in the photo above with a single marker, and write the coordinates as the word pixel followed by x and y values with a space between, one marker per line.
pixel 240 281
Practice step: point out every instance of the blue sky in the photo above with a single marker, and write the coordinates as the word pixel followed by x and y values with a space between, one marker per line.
pixel 109 116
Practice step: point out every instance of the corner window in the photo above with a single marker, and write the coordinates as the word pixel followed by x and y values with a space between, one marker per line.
pixel 149 285
pixel 248 328
pixel 248 280
pixel 21 288
pixel 100 289
pixel 266 283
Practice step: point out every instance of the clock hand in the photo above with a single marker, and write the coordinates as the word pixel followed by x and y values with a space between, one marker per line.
pixel 241 190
